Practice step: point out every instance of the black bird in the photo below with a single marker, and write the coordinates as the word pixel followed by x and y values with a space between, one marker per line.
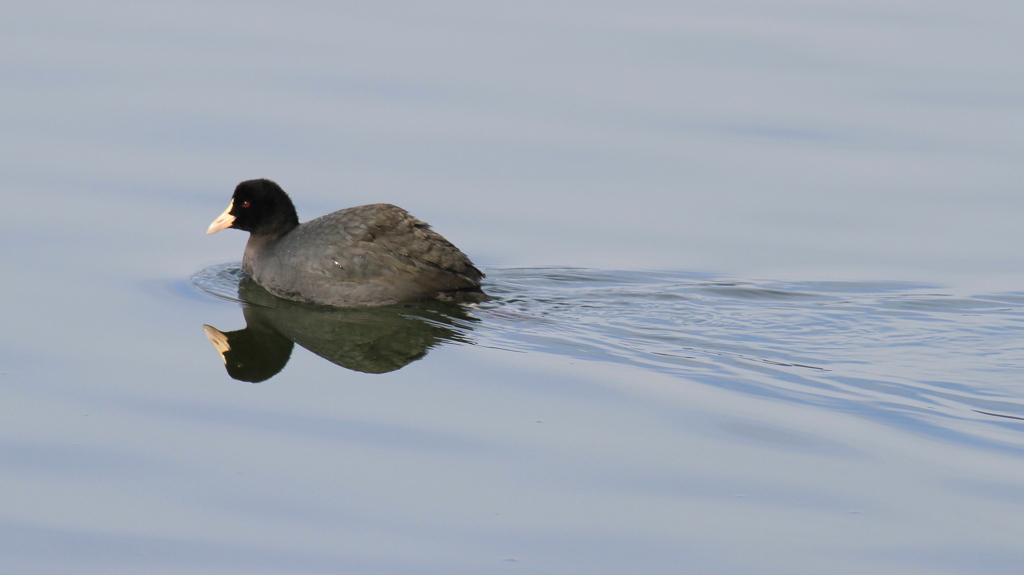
pixel 378 254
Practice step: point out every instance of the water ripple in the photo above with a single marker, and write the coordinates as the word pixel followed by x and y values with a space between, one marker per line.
pixel 908 354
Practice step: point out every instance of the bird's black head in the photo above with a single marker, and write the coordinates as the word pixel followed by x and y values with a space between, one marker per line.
pixel 259 207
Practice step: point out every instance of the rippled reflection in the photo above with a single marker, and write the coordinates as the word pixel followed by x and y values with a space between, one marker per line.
pixel 370 340
pixel 912 355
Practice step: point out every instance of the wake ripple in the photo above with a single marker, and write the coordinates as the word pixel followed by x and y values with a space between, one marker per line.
pixel 909 354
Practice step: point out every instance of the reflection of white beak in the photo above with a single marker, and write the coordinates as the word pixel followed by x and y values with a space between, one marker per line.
pixel 223 221
pixel 219 341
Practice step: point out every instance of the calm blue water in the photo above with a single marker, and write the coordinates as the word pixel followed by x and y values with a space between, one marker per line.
pixel 823 376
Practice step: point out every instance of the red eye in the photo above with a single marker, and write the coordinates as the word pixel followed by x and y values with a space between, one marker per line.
pixel 245 204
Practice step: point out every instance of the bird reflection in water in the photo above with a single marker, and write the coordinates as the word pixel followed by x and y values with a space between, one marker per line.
pixel 370 340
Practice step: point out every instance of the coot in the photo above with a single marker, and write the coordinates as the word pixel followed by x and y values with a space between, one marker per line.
pixel 377 254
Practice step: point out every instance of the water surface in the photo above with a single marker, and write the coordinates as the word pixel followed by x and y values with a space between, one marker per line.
pixel 907 354
pixel 821 375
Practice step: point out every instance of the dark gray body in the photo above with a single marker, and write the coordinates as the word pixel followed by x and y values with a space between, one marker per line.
pixel 377 254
